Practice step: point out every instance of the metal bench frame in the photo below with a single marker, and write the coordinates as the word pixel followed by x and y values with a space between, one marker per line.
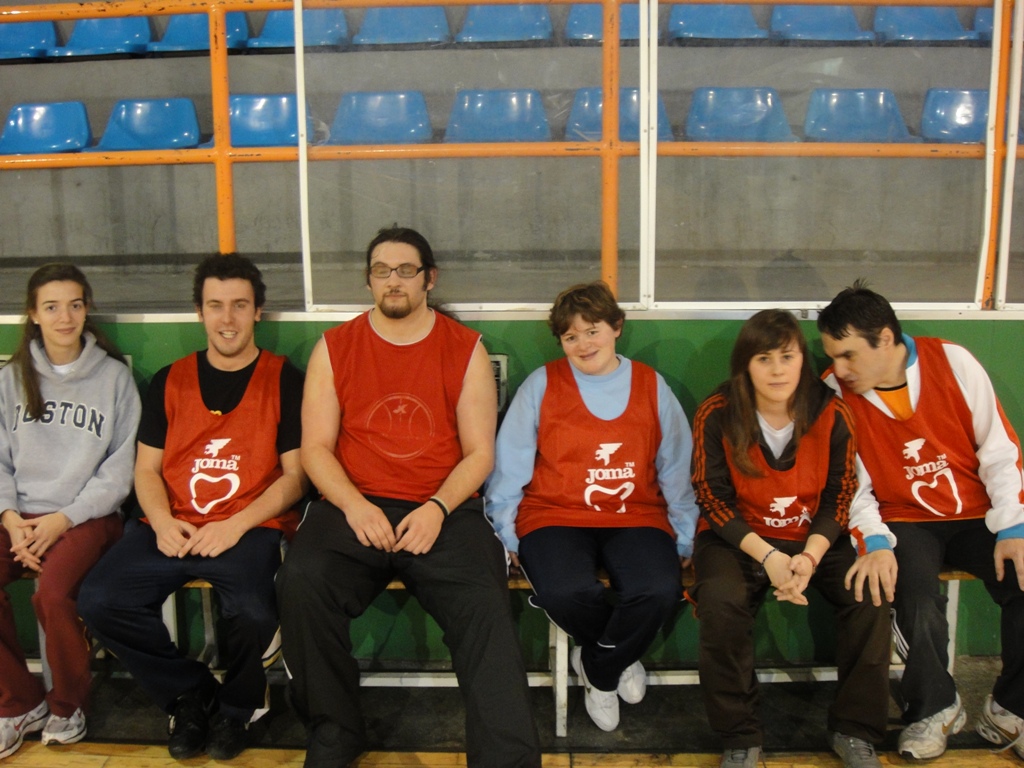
pixel 557 676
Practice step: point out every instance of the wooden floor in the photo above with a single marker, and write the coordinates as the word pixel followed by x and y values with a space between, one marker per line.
pixel 92 755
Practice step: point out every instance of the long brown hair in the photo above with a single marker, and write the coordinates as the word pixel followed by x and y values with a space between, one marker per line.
pixel 22 357
pixel 767 330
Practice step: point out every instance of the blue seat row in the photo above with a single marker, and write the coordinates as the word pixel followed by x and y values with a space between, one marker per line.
pixel 135 124
pixel 716 114
pixel 184 32
pixel 836 115
pixel 822 23
pixel 492 24
pixel 401 117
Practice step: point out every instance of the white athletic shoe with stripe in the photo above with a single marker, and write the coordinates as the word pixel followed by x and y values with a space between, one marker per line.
pixel 65 730
pixel 13 729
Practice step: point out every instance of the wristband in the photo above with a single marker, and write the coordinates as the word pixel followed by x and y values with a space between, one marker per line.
pixel 441 504
pixel 809 556
pixel 764 559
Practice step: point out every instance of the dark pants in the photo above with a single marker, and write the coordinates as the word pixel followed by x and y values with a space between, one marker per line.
pixel 561 564
pixel 729 590
pixel 65 565
pixel 329 578
pixel 922 549
pixel 120 602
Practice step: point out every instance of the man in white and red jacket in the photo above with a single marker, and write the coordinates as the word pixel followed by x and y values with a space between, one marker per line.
pixel 939 468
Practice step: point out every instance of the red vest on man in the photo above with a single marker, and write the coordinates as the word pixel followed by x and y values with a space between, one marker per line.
pixel 399 434
pixel 216 465
pixel 593 473
pixel 923 469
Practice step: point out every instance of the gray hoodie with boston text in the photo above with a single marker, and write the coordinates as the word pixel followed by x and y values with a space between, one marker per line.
pixel 79 456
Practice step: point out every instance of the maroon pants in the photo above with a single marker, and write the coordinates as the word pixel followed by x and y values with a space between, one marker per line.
pixel 65 566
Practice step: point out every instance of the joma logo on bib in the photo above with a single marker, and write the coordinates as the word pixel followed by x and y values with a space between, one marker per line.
pixel 210 490
pixel 600 497
pixel 942 491
pixel 611 473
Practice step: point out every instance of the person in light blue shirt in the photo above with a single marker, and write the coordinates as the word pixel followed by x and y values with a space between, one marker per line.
pixel 592 471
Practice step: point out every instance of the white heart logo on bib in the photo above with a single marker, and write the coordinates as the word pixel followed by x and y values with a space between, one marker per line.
pixel 233 483
pixel 621 493
pixel 919 484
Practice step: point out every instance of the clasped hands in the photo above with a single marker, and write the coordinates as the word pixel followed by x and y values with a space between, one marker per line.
pixel 789 575
pixel 32 537
pixel 415 533
pixel 177 538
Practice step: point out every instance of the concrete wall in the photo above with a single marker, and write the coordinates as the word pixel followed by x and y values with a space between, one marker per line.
pixel 868 214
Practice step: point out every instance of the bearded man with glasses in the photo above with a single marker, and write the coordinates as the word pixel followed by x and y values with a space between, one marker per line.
pixel 400 409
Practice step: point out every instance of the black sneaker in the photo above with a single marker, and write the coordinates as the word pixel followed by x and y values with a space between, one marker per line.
pixel 189 724
pixel 327 747
pixel 228 737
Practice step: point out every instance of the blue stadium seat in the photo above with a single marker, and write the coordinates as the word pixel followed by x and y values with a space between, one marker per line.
pixel 266 120
pixel 984 21
pixel 27 39
pixel 506 24
pixel 737 114
pixel 814 23
pixel 381 117
pixel 151 124
pixel 43 128
pixel 320 27
pixel 499 115
pixel 690 23
pixel 404 25
pixel 584 122
pixel 191 32
pixel 855 115
pixel 585 23
pixel 920 24
pixel 954 116
pixel 105 37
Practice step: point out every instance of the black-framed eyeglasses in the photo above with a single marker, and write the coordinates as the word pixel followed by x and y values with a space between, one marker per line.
pixel 383 271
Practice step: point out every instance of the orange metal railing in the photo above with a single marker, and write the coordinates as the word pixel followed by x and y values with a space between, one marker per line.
pixel 610 149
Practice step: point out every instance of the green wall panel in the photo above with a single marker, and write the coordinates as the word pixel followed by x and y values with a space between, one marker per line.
pixel 24 618
pixel 978 621
pixel 693 356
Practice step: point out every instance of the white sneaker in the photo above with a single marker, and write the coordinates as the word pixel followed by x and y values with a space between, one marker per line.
pixel 65 730
pixel 602 706
pixel 740 758
pixel 1000 726
pixel 855 752
pixel 13 729
pixel 632 683
pixel 926 738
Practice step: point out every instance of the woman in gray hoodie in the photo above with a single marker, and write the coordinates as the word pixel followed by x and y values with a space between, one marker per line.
pixel 69 409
